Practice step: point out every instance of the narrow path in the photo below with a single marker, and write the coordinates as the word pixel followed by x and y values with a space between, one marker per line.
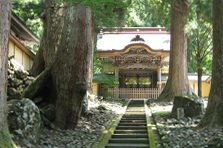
pixel 131 131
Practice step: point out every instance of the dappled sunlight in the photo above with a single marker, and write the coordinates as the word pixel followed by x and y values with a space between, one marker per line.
pixel 182 132
pixel 91 125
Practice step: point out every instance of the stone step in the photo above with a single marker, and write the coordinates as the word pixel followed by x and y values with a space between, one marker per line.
pixel 131 124
pixel 132 121
pixel 129 140
pixel 130 131
pixel 122 145
pixel 134 115
pixel 131 127
pixel 135 111
pixel 132 135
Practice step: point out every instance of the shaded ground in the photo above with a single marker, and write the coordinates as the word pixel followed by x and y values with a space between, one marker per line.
pixel 173 133
pixel 88 130
pixel 184 133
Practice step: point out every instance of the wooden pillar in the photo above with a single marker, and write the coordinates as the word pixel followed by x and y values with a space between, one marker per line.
pixel 159 83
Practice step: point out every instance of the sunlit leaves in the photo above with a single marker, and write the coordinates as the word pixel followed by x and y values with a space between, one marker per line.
pixel 29 11
pixel 199 30
pixel 148 13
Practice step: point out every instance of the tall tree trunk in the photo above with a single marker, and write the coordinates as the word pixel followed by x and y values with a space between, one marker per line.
pixel 66 50
pixel 72 65
pixel 214 111
pixel 177 83
pixel 5 8
pixel 199 80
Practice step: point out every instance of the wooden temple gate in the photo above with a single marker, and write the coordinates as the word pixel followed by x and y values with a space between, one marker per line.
pixel 134 93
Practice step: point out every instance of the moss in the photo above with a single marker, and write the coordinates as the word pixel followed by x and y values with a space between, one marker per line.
pixel 152 143
pixel 106 134
pixel 190 97
pixel 162 113
pixel 219 118
pixel 5 140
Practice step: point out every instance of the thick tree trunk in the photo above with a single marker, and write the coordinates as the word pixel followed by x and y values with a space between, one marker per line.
pixel 38 64
pixel 53 22
pixel 37 86
pixel 5 8
pixel 214 111
pixel 199 80
pixel 66 48
pixel 177 83
pixel 71 70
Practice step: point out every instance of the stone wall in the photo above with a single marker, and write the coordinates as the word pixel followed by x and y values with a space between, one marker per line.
pixel 24 118
pixel 18 80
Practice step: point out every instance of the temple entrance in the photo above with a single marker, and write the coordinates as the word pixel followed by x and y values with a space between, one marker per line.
pixel 137 70
pixel 137 78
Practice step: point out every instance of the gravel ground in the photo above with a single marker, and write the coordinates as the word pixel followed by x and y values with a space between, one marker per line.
pixel 184 133
pixel 88 130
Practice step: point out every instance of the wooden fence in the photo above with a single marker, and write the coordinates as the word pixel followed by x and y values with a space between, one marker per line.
pixel 134 92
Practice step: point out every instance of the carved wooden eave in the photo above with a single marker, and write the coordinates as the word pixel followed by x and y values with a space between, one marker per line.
pixel 135 56
pixel 114 52
pixel 138 66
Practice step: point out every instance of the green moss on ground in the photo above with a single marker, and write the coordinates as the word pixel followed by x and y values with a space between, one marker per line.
pixel 190 97
pixel 5 140
pixel 162 113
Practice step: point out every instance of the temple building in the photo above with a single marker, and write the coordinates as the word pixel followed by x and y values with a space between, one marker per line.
pixel 19 40
pixel 137 58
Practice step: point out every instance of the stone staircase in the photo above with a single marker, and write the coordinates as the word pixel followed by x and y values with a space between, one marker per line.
pixel 131 131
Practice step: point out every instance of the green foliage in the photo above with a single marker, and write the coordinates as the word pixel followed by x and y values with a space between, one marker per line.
pixel 199 31
pixel 5 140
pixel 150 13
pixel 162 113
pixel 97 65
pixel 107 80
pixel 29 11
pixel 107 13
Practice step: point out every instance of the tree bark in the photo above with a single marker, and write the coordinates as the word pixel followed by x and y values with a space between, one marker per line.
pixel 199 80
pixel 38 64
pixel 67 47
pixel 71 70
pixel 214 111
pixel 35 88
pixel 5 9
pixel 177 83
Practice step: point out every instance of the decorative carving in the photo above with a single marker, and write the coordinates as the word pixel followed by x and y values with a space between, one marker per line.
pixel 137 57
pixel 137 38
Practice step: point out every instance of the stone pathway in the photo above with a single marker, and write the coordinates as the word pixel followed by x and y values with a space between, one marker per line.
pixel 131 131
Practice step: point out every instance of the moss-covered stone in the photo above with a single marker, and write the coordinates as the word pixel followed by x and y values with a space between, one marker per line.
pixel 162 113
pixel 215 143
pixel 192 106
pixel 5 140
pixel 190 97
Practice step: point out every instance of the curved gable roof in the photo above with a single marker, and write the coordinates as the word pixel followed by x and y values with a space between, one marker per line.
pixel 155 38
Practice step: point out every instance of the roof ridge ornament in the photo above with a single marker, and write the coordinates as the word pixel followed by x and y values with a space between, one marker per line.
pixel 137 38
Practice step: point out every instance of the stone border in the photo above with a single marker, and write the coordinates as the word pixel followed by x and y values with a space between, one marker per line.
pixel 152 128
pixel 106 134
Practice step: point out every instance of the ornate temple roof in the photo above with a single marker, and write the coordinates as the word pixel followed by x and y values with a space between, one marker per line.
pixel 157 38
